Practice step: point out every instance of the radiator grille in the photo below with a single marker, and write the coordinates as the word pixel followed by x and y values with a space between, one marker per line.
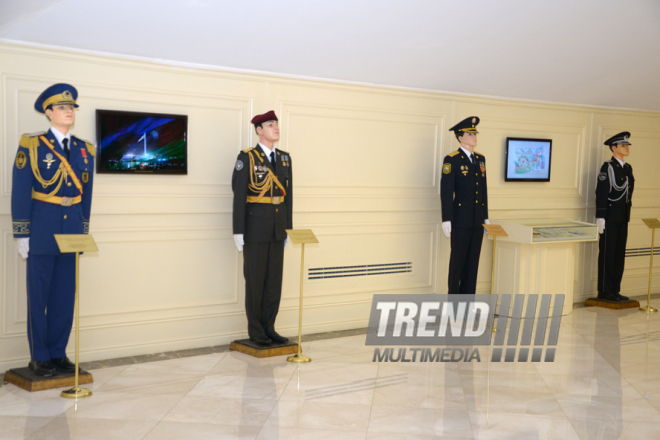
pixel 319 273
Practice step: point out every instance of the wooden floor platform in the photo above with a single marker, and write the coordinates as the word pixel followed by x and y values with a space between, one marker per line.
pixel 26 379
pixel 247 346
pixel 617 305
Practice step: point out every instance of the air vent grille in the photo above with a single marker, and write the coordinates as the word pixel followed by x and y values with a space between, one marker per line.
pixel 319 273
pixel 641 252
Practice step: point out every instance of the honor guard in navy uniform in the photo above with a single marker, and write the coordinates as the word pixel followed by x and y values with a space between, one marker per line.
pixel 614 190
pixel 464 197
pixel 51 194
pixel 262 185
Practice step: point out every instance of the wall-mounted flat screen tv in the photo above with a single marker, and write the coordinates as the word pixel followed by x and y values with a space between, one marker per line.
pixel 145 143
pixel 528 160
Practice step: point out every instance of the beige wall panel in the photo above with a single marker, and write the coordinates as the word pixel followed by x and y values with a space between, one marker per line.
pixel 367 181
pixel 354 150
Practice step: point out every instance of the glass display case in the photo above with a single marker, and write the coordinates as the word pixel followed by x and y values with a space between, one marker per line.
pixel 544 230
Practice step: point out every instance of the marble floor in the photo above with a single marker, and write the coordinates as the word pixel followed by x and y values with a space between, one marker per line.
pixel 604 384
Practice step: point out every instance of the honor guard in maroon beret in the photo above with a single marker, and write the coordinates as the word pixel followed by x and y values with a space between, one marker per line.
pixel 614 190
pixel 51 194
pixel 464 199
pixel 263 202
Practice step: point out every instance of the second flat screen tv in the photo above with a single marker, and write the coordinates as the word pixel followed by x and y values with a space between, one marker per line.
pixel 528 160
pixel 145 143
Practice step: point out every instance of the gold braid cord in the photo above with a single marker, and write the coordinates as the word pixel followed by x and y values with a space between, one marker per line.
pixel 61 173
pixel 264 186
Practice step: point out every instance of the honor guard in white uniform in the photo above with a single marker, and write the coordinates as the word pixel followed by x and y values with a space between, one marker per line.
pixel 51 194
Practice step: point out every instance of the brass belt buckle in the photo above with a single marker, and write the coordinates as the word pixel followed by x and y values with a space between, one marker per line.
pixel 67 201
pixel 277 200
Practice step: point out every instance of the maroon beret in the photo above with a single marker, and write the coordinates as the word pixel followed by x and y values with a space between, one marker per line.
pixel 269 116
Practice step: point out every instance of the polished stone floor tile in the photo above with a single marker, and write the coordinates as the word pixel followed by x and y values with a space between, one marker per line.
pixel 604 384
pixel 123 406
pixel 221 410
pixel 19 427
pixel 420 421
pixel 202 431
pixel 320 415
pixel 493 426
pixel 67 427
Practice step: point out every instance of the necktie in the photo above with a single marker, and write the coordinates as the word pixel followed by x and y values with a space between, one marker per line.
pixel 272 159
pixel 65 143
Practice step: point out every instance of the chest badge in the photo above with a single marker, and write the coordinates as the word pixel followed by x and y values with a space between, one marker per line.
pixel 49 160
pixel 85 177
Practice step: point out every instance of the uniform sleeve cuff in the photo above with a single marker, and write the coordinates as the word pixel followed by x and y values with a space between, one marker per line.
pixel 21 229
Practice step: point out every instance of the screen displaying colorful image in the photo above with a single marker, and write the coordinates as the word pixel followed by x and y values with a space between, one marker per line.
pixel 528 160
pixel 129 142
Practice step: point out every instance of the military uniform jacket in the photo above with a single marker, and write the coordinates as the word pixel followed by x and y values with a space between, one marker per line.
pixel 463 190
pixel 255 181
pixel 614 191
pixel 50 194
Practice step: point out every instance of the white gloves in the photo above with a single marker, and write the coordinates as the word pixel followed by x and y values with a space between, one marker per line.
pixel 446 228
pixel 238 240
pixel 23 246
pixel 486 222
pixel 601 225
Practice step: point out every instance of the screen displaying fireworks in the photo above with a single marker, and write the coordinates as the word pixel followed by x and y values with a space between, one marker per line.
pixel 131 142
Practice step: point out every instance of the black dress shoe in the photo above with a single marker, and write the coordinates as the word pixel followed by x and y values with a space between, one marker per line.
pixel 608 296
pixel 276 337
pixel 64 365
pixel 41 368
pixel 622 298
pixel 261 341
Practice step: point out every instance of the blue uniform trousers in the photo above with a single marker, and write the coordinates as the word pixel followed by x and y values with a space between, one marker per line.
pixel 51 289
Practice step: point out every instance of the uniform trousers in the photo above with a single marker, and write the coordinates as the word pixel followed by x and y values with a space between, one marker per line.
pixel 464 260
pixel 262 267
pixel 612 257
pixel 51 291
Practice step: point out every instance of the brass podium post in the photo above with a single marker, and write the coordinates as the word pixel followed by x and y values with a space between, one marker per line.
pixel 301 236
pixel 76 243
pixel 653 224
pixel 494 231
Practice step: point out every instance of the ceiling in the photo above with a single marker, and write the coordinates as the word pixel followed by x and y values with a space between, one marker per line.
pixel 592 52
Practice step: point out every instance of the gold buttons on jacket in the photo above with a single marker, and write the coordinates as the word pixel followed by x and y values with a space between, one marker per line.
pixel 64 216
pixel 68 184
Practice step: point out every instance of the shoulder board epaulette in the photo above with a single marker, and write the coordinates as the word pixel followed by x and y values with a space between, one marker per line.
pixel 91 148
pixel 247 150
pixel 30 140
pixel 37 134
pixel 282 151
pixel 476 152
pixel 453 153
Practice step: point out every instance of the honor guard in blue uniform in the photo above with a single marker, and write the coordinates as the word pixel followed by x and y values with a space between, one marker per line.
pixel 464 197
pixel 263 201
pixel 51 194
pixel 614 190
